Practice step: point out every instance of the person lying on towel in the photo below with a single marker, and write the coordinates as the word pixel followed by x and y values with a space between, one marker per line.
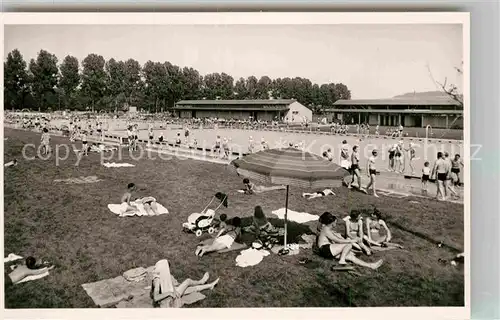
pixel 148 202
pixel 251 188
pixel 30 268
pixel 224 239
pixel 163 292
pixel 318 194
pixel 331 245
pixel 373 238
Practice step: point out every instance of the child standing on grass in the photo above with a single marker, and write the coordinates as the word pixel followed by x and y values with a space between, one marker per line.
pixel 45 141
pixel 426 173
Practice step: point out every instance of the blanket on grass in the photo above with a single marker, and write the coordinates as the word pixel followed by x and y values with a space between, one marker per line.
pixel 120 293
pixel 120 209
pixel 299 217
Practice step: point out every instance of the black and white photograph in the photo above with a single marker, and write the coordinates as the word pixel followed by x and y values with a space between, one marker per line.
pixel 225 164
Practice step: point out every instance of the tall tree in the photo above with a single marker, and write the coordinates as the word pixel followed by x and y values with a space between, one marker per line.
pixel 16 80
pixel 191 84
pixel 174 84
pixel 342 92
pixel 226 86
pixel 93 80
pixel 69 80
pixel 264 87
pixel 240 89
pixel 115 78
pixel 45 77
pixel 132 82
pixel 251 85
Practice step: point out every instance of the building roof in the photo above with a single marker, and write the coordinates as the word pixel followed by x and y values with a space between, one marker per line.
pixel 237 102
pixel 430 101
pixel 383 111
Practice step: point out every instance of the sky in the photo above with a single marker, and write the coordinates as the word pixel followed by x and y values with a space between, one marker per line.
pixel 374 61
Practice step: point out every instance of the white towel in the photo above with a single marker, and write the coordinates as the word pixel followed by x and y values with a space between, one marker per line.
pixel 119 209
pixel 117 165
pixel 11 257
pixel 250 257
pixel 299 217
pixel 31 278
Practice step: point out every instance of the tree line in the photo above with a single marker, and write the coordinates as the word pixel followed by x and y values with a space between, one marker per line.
pixel 96 84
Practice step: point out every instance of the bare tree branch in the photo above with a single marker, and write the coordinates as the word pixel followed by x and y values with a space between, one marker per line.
pixel 452 91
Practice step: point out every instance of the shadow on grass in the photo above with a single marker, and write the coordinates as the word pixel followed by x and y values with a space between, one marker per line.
pixel 424 236
pixel 294 230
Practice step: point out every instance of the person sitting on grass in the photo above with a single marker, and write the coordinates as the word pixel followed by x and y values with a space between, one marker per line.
pixel 224 239
pixel 262 228
pixel 222 221
pixel 332 245
pixel 373 237
pixel 354 230
pixel 318 194
pixel 166 295
pixel 251 188
pixel 29 268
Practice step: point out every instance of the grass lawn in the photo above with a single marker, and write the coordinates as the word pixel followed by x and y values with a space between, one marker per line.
pixel 71 226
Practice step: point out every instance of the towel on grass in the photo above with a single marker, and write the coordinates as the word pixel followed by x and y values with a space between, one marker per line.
pixel 299 217
pixel 11 257
pixel 80 180
pixel 250 257
pixel 120 209
pixel 31 278
pixel 117 165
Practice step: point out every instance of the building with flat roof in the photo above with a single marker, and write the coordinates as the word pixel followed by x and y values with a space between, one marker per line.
pixel 266 110
pixel 438 112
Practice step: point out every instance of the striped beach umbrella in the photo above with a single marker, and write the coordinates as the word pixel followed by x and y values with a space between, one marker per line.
pixel 290 167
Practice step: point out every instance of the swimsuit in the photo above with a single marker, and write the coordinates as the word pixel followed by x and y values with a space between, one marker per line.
pixel 325 252
pixel 425 177
pixel 442 176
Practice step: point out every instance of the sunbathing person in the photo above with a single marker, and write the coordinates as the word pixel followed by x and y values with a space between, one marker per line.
pixel 127 197
pixel 373 237
pixel 11 163
pixel 166 295
pixel 150 206
pixel 251 188
pixel 332 245
pixel 224 239
pixel 318 194
pixel 29 268
pixel 354 230
pixel 149 203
